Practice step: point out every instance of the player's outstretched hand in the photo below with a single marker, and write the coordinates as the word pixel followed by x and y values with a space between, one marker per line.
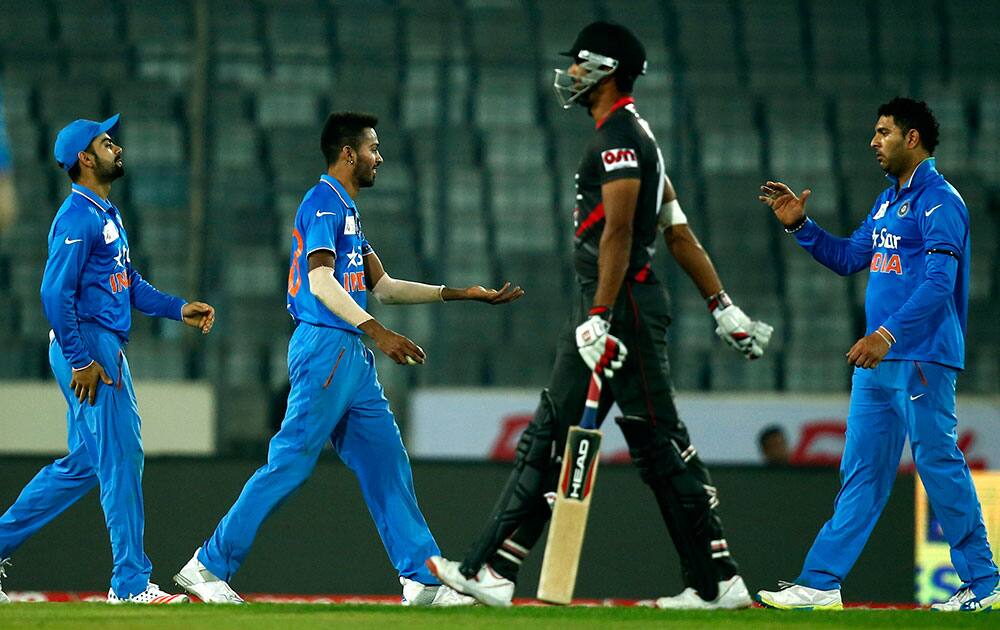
pixel 868 351
pixel 787 206
pixel 503 295
pixel 85 381
pixel 392 344
pixel 199 315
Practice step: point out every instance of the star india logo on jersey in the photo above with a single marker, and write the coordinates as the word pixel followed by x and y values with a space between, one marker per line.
pixel 614 159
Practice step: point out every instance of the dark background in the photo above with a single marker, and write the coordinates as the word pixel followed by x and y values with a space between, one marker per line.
pixel 323 540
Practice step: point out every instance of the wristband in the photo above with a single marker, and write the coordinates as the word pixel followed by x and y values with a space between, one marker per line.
pixel 719 301
pixel 604 312
pixel 798 226
pixel 886 336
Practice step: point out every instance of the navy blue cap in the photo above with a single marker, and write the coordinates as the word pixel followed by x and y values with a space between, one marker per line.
pixel 78 135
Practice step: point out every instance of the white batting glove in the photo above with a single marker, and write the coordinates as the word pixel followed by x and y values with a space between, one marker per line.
pixel 600 349
pixel 748 337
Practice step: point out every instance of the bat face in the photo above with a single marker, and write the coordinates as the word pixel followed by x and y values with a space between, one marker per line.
pixel 583 449
pixel 569 516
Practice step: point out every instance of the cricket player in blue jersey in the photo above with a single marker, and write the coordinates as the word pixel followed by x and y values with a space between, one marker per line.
pixel 915 244
pixel 89 289
pixel 335 394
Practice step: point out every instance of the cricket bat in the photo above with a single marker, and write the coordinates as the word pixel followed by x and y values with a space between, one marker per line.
pixel 569 513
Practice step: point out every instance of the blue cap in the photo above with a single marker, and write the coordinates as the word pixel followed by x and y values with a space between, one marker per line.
pixel 77 136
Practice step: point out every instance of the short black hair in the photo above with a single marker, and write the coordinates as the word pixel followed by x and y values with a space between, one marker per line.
pixel 74 171
pixel 912 114
pixel 344 129
pixel 768 431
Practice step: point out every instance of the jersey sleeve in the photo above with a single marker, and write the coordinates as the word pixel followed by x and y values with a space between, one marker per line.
pixel 322 226
pixel 618 152
pixel 74 236
pixel 945 226
pixel 841 255
pixel 151 301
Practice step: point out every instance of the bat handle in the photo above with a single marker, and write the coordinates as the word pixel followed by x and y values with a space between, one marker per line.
pixel 589 420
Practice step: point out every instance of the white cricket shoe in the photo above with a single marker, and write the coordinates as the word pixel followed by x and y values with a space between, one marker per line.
pixel 4 562
pixel 488 586
pixel 985 603
pixel 417 594
pixel 203 584
pixel 790 596
pixel 954 603
pixel 733 595
pixel 152 595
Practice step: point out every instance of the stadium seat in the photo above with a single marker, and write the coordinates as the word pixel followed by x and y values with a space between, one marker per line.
pixel 556 33
pixel 500 33
pixel 152 142
pixel 808 370
pixel 706 44
pixel 368 33
pixel 842 46
pixel 900 62
pixel 505 96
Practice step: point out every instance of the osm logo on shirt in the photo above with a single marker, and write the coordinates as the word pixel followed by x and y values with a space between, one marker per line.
pixel 615 159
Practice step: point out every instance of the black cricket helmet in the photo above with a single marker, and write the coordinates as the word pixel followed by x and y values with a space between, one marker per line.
pixel 601 49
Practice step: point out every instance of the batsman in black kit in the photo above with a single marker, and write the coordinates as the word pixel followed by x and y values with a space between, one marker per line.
pixel 623 199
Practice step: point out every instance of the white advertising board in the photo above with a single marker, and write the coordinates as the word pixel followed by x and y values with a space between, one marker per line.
pixel 447 423
pixel 178 418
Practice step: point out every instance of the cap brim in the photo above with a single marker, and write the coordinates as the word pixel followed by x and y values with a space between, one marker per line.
pixel 109 126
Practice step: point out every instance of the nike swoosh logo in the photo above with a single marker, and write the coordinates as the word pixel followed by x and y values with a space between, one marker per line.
pixel 70 242
pixel 323 214
pixel 915 397
pixel 929 212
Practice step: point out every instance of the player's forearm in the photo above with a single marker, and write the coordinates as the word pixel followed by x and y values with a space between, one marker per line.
pixel 333 296
pixel 837 254
pixel 389 290
pixel 693 259
pixel 930 296
pixel 152 302
pixel 61 313
pixel 613 255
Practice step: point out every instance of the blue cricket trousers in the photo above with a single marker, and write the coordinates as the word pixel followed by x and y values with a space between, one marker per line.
pixel 105 448
pixel 894 400
pixel 335 395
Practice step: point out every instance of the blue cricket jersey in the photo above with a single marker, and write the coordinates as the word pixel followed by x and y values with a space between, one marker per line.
pixel 915 243
pixel 327 219
pixel 89 276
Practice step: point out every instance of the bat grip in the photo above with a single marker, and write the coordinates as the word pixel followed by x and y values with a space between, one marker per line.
pixel 589 419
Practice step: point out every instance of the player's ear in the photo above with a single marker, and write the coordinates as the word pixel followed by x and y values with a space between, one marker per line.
pixel 912 139
pixel 348 152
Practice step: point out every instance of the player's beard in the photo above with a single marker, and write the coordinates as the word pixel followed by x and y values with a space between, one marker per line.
pixel 109 171
pixel 364 175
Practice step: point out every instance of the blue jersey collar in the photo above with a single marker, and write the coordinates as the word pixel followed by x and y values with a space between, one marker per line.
pixel 925 171
pixel 92 197
pixel 339 189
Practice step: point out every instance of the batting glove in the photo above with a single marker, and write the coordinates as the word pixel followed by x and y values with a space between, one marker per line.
pixel 748 337
pixel 601 350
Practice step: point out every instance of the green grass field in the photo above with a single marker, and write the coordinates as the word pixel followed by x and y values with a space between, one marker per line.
pixel 295 617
